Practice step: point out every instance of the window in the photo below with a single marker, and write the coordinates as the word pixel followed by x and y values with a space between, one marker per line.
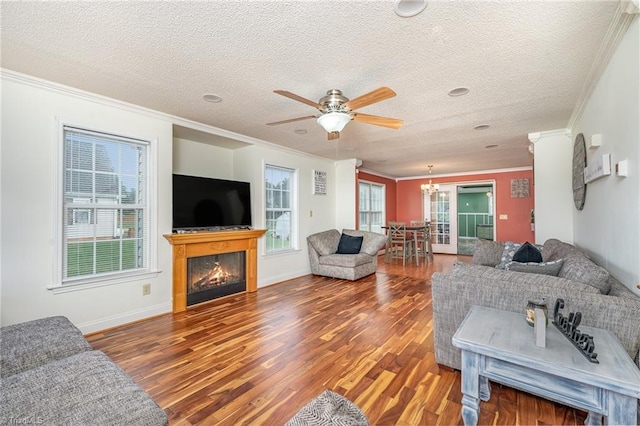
pixel 279 210
pixel 105 206
pixel 371 207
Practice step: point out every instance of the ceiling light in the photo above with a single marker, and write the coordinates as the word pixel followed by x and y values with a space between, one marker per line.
pixel 210 97
pixel 491 146
pixel 458 91
pixel 408 8
pixel 300 131
pixel 481 127
pixel 334 121
pixel 430 187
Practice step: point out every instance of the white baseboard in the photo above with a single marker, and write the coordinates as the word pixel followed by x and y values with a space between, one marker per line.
pixel 274 279
pixel 124 318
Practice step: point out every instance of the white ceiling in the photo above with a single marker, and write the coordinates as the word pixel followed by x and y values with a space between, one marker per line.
pixel 525 63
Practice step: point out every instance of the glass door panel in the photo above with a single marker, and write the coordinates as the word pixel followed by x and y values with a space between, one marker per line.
pixel 440 208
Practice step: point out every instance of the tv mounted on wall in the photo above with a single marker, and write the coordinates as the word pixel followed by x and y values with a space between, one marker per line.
pixel 210 204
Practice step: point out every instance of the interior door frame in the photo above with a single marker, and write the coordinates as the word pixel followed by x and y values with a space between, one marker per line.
pixel 452 247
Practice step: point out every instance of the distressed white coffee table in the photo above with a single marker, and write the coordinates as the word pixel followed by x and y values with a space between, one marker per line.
pixel 500 346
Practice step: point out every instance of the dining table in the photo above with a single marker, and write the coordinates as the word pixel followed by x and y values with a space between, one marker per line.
pixel 413 229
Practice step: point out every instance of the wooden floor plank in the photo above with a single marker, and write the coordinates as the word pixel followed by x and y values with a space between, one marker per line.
pixel 259 358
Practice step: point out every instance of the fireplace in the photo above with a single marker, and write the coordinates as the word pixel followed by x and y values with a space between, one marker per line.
pixel 201 253
pixel 216 275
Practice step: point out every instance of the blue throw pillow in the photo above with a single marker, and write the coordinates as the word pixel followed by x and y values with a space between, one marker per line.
pixel 527 253
pixel 349 244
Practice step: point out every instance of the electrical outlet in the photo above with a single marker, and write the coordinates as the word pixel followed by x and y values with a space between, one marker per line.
pixel 146 289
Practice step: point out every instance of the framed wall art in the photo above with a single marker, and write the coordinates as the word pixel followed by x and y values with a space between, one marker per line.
pixel 520 188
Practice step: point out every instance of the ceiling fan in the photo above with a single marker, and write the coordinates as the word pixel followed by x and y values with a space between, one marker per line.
pixel 336 110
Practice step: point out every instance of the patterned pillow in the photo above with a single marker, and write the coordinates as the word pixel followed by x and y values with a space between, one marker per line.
pixel 509 251
pixel 544 268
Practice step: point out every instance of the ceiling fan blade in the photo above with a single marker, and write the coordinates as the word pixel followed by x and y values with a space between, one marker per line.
pixel 333 135
pixel 295 97
pixel 372 97
pixel 392 123
pixel 291 120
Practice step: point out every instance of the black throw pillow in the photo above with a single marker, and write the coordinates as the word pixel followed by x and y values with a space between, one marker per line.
pixel 527 253
pixel 349 244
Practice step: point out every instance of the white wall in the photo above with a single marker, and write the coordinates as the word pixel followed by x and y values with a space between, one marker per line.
pixel 553 154
pixel 201 159
pixel 609 225
pixel 345 198
pixel 29 201
pixel 316 212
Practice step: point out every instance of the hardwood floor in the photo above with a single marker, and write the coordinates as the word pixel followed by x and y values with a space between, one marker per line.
pixel 258 358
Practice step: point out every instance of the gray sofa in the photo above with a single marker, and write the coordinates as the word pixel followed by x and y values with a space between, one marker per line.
pixel 49 374
pixel 325 260
pixel 584 286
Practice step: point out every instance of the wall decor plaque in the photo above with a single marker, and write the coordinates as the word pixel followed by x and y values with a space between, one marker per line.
pixel 319 182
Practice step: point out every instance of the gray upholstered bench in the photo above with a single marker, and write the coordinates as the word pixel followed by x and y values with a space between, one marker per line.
pixel 50 374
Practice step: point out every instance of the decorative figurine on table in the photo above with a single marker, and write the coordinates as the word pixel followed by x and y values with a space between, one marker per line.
pixel 537 316
pixel 531 308
pixel 568 326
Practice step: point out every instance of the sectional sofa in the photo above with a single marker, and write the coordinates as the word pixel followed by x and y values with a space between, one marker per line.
pixel 49 374
pixel 584 286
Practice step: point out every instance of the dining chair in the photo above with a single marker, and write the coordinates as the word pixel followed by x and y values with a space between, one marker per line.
pixel 425 249
pixel 399 244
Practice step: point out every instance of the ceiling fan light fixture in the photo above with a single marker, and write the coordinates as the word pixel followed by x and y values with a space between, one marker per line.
pixel 334 121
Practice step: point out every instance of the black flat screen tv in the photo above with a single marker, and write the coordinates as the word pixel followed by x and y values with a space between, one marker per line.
pixel 207 203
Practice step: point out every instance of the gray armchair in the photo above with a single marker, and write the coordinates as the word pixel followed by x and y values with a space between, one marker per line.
pixel 325 260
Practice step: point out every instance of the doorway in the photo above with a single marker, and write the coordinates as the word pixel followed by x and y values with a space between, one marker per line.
pixel 475 215
pixel 460 213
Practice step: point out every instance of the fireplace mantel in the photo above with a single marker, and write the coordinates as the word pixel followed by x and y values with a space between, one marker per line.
pixel 194 244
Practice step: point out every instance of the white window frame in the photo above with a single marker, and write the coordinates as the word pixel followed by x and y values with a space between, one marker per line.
pixel 383 189
pixel 59 283
pixel 294 210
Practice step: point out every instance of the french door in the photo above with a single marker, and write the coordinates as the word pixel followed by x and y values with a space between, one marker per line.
pixel 440 208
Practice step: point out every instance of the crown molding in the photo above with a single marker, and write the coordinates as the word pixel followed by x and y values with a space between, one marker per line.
pixel 624 14
pixel 477 172
pixel 375 173
pixel 535 137
pixel 115 103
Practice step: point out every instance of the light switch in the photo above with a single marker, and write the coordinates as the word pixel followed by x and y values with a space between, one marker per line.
pixel 504 216
pixel 310 213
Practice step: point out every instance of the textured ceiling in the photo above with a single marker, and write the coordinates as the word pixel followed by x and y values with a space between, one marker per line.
pixel 525 63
